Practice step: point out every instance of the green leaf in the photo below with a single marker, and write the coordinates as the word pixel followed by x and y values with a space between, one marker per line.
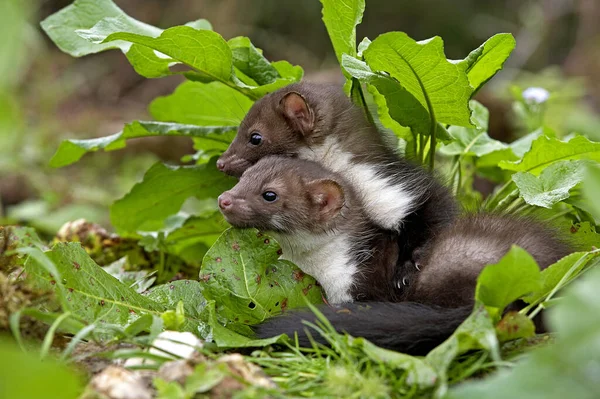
pixel 473 141
pixel 163 191
pixel 513 152
pixel 62 26
pixel 477 332
pixel 189 293
pixel 89 292
pixel 545 151
pixel 485 61
pixel 571 264
pixel 514 276
pixel 419 372
pixel 205 378
pixel 244 275
pixel 196 230
pixel 203 50
pixel 341 19
pixel 226 338
pixel 442 88
pixel 591 189
pixel 251 62
pixel 203 104
pixel 391 98
pixel 24 375
pixel 71 151
pixel 552 185
pixel 514 325
pixel 564 369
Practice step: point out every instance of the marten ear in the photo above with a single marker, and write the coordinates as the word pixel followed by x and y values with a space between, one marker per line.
pixel 327 196
pixel 296 110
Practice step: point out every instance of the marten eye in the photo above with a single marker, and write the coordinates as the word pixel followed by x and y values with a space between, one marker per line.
pixel 269 196
pixel 255 138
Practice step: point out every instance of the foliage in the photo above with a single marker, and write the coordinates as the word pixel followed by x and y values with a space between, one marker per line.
pixel 412 89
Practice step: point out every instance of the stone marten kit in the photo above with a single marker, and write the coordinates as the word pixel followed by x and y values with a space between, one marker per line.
pixel 368 225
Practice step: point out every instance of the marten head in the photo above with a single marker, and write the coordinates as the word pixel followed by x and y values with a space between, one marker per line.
pixel 284 195
pixel 283 123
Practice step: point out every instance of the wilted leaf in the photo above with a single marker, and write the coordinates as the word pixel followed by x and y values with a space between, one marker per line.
pixel 72 150
pixel 243 274
pixel 552 185
pixel 514 276
pixel 442 88
pixel 482 63
pixel 163 191
pixel 514 325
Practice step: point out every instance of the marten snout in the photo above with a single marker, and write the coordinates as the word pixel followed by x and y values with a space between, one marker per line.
pixel 225 201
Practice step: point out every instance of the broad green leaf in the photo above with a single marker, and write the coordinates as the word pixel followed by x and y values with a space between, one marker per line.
pixel 392 100
pixel 564 369
pixel 25 375
pixel 244 275
pixel 477 332
pixel 251 62
pixel 485 61
pixel 227 338
pixel 442 88
pixel 72 150
pixel 571 264
pixel 552 185
pixel 419 372
pixel 514 325
pixel 89 292
pixel 473 141
pixel 144 60
pixel 163 191
pixel 187 291
pixel 514 276
pixel 203 50
pixel 62 26
pixel 196 230
pixel 591 189
pixel 341 18
pixel 203 104
pixel 513 152
pixel 545 151
pixel 583 235
pixel 401 105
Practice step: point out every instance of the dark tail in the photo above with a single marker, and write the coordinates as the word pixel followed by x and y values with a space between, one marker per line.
pixel 406 327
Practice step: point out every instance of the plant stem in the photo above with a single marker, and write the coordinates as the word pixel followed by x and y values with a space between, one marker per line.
pixel 507 200
pixel 514 205
pixel 432 145
pixel 490 200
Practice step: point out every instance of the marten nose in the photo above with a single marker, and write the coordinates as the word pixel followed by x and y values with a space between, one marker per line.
pixel 220 164
pixel 225 201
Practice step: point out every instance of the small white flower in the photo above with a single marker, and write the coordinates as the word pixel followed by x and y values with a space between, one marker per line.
pixel 536 95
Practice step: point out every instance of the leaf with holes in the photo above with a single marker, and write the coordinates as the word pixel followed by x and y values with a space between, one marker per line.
pixel 245 277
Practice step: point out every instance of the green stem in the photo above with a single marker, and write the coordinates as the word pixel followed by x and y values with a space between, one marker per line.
pixel 421 147
pixel 490 200
pixel 507 200
pixel 517 203
pixel 364 102
pixel 432 145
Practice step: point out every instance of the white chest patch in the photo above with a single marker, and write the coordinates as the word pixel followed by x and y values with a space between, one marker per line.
pixel 324 257
pixel 387 203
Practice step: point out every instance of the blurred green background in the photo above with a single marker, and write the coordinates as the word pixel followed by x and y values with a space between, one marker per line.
pixel 47 96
